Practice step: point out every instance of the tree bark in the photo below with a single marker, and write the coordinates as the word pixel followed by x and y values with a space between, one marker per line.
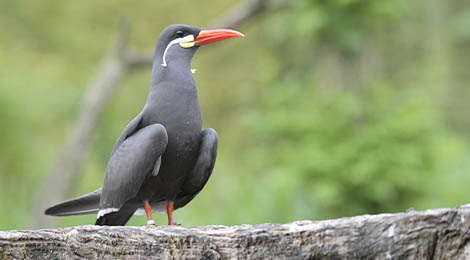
pixel 431 234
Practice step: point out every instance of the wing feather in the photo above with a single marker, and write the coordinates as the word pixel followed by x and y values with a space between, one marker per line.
pixel 132 161
pixel 202 169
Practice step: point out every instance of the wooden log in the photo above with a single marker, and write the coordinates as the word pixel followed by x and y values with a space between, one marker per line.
pixel 431 234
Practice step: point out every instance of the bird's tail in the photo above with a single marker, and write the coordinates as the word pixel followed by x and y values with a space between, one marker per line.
pixel 86 204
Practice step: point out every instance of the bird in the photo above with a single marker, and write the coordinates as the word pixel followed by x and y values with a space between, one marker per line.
pixel 163 158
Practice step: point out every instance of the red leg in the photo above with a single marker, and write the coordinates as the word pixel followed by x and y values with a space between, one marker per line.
pixel 169 212
pixel 148 212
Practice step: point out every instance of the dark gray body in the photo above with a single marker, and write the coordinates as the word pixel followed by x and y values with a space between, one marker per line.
pixel 176 107
pixel 162 154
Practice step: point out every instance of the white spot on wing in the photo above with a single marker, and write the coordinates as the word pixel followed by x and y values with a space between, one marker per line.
pixel 103 212
pixel 156 168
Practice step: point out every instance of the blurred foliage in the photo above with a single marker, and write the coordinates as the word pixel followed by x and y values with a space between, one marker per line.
pixel 325 109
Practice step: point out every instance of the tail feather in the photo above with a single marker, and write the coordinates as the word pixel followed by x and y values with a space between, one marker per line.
pixel 86 204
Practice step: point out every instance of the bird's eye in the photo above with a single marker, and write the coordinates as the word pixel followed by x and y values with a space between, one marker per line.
pixel 179 34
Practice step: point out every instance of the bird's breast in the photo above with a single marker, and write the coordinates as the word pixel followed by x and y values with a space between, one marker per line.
pixel 179 111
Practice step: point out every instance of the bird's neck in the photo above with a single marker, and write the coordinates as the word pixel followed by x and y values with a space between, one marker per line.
pixel 174 64
pixel 176 76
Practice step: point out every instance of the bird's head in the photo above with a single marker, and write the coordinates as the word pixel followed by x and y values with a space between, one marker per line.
pixel 179 42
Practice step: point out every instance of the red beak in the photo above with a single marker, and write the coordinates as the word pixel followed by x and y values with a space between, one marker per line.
pixel 210 36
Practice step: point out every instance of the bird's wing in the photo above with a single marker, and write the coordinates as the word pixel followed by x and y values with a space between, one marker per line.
pixel 128 131
pixel 202 168
pixel 131 163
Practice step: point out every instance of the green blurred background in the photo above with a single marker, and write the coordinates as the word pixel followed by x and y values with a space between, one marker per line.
pixel 325 109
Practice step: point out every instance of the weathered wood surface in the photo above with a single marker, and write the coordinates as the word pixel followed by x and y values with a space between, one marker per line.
pixel 431 234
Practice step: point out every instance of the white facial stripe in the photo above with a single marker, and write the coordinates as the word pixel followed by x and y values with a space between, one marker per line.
pixel 185 42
